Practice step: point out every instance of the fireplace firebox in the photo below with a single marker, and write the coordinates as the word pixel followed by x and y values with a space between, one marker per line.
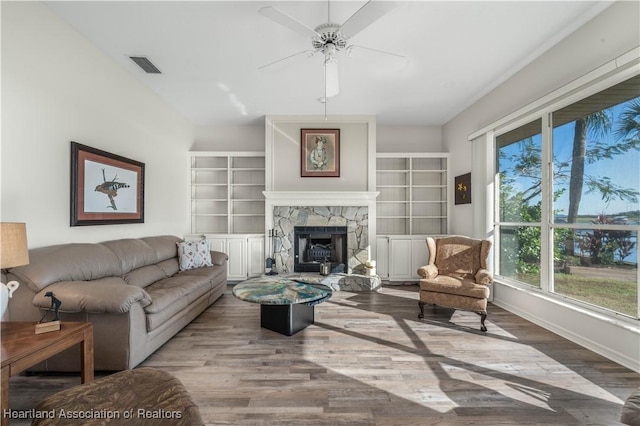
pixel 316 244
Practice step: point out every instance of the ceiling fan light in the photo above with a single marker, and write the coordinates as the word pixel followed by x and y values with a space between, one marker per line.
pixel 332 83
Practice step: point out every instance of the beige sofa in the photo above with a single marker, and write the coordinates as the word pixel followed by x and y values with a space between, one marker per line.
pixel 130 289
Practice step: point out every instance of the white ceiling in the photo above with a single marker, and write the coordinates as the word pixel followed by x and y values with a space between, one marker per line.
pixel 209 53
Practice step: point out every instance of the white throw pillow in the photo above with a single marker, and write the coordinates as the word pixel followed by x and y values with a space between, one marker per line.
pixel 194 254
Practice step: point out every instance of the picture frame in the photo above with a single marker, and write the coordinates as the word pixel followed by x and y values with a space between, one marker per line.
pixel 106 189
pixel 320 152
pixel 462 189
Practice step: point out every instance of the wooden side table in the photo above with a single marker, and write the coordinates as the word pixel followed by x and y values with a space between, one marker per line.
pixel 22 348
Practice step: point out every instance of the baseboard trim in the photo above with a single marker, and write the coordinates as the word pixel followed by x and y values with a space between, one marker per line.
pixel 579 339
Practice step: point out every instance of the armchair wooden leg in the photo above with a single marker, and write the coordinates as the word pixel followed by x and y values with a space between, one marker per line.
pixel 421 306
pixel 483 316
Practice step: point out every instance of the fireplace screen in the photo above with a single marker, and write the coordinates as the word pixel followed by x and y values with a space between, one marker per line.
pixel 316 244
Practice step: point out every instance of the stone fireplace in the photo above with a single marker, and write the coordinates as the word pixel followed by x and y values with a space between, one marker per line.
pixel 353 219
pixel 351 211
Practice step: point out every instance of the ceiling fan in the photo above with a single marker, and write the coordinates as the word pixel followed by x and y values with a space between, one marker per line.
pixel 330 38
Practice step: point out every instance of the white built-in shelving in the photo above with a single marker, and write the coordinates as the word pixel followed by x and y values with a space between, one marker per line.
pixel 413 193
pixel 226 192
pixel 412 204
pixel 227 207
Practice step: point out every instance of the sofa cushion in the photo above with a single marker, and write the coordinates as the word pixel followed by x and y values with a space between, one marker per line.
pixel 455 285
pixel 211 272
pixel 132 253
pixel 164 246
pixel 144 276
pixel 194 254
pixel 67 262
pixel 169 266
pixel 176 308
pixel 165 292
pixel 110 295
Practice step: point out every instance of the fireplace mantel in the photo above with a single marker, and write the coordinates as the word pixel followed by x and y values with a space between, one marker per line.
pixel 321 198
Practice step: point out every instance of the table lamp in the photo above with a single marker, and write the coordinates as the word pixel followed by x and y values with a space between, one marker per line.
pixel 13 252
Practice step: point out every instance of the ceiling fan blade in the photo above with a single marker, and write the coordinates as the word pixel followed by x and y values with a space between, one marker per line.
pixel 282 18
pixel 384 52
pixel 367 14
pixel 309 53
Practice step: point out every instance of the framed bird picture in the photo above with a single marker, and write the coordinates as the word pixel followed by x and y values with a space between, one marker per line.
pixel 105 188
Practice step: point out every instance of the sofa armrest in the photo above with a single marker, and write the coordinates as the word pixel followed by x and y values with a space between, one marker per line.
pixel 428 271
pixel 483 276
pixel 218 257
pixel 106 295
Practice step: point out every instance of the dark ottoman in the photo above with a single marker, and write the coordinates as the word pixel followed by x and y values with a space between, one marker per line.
pixel 144 396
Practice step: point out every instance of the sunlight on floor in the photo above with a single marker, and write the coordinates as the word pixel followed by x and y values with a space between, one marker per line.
pixel 477 376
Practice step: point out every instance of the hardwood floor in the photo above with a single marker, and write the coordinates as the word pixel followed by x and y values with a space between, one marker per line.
pixel 368 360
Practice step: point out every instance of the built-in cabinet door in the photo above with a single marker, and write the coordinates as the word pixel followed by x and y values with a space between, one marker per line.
pixel 420 255
pixel 382 261
pixel 235 248
pixel 237 251
pixel 400 255
pixel 218 244
pixel 255 256
pixel 246 253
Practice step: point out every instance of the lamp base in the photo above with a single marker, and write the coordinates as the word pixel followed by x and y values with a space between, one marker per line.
pixel 6 291
pixel 46 327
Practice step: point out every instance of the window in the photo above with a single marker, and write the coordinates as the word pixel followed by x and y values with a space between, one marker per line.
pixel 569 226
pixel 519 184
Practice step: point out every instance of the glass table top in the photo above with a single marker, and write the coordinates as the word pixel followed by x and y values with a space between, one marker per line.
pixel 280 291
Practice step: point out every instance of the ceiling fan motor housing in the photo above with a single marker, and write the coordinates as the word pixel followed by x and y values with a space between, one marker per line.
pixel 329 34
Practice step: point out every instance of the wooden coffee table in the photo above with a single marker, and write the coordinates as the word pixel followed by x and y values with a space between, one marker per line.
pixel 286 306
pixel 22 348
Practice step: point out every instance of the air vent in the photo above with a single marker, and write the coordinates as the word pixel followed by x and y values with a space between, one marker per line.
pixel 145 64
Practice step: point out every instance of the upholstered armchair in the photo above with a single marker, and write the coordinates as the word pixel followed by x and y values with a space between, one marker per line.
pixel 456 276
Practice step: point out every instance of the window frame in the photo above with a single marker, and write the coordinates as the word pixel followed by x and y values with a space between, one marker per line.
pixel 590 84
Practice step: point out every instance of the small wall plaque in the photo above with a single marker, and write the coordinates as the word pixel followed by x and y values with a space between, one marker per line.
pixel 462 189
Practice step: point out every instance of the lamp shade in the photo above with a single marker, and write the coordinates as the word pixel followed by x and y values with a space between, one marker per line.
pixel 331 81
pixel 13 245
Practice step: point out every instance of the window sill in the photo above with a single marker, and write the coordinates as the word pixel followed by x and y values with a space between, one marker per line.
pixel 610 317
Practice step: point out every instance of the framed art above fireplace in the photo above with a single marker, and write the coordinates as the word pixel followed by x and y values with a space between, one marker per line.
pixel 320 152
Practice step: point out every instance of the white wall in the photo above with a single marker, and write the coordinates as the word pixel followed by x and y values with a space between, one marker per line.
pixel 237 138
pixel 57 88
pixel 609 35
pixel 354 156
pixel 409 139
pixel 251 138
pixel 613 32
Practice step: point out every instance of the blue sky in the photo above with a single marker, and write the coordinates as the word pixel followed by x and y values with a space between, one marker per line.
pixel 623 170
